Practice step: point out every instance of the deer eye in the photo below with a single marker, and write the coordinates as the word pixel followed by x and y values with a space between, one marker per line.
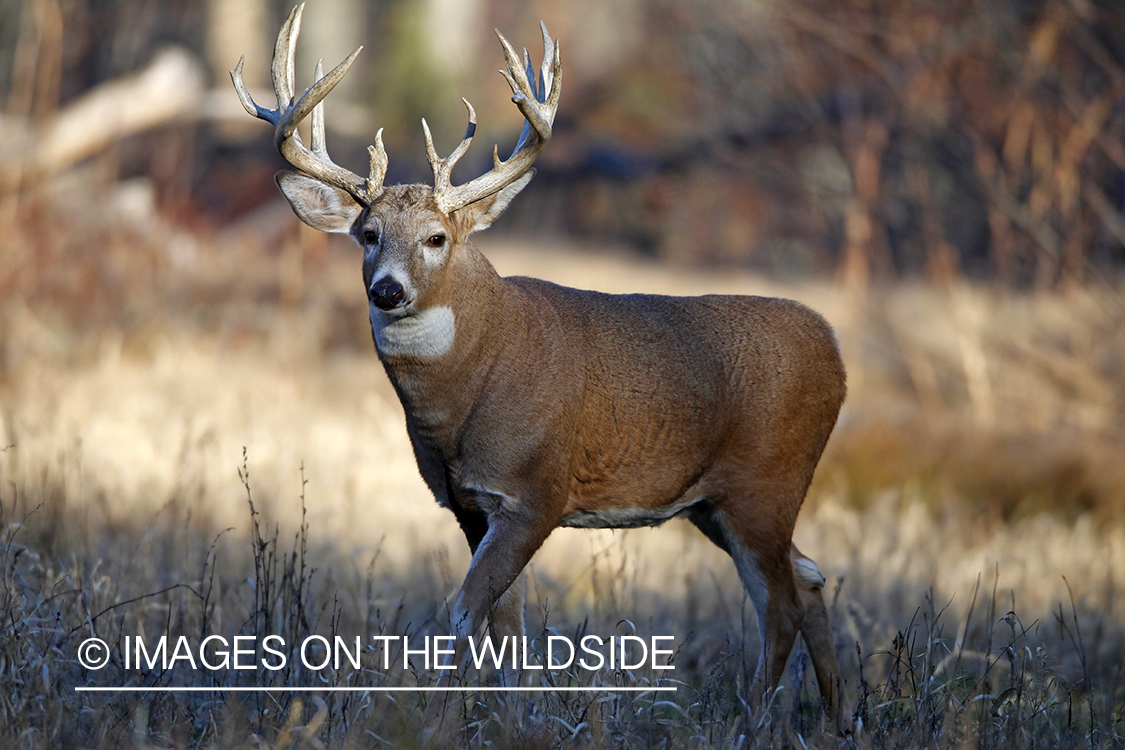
pixel 438 240
pixel 371 237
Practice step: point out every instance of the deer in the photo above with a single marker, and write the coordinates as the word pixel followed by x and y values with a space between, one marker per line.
pixel 532 406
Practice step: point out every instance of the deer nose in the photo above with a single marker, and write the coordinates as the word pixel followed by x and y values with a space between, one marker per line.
pixel 386 293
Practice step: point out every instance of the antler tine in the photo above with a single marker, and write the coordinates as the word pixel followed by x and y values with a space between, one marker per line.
pixel 547 71
pixel 530 68
pixel 443 168
pixel 314 95
pixel 315 163
pixel 431 151
pixel 248 103
pixel 319 146
pixel 537 103
pixel 377 158
pixel 516 74
pixel 283 70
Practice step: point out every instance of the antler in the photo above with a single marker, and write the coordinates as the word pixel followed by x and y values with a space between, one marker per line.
pixel 538 105
pixel 315 163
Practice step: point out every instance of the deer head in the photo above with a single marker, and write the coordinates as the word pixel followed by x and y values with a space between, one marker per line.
pixel 409 233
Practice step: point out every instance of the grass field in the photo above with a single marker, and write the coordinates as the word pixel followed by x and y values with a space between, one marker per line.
pixel 197 439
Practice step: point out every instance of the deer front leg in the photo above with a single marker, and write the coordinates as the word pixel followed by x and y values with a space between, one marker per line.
pixel 506 618
pixel 514 534
pixel 493 587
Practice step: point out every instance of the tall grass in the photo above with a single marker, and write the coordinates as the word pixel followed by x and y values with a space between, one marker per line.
pixel 977 669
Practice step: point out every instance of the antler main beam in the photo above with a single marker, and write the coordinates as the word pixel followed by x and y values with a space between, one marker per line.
pixel 289 113
pixel 536 100
pixel 537 103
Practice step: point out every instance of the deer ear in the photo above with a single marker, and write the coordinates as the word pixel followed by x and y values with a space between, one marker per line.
pixel 487 210
pixel 321 206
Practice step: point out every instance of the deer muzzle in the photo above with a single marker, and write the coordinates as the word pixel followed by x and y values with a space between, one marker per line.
pixel 386 294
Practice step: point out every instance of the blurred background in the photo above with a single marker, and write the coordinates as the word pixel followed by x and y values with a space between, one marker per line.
pixel 943 179
pixel 860 140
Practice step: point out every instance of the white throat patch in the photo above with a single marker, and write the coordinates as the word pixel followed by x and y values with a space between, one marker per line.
pixel 427 333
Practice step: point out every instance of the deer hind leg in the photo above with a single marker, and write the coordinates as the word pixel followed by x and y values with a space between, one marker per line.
pixel 761 556
pixel 809 584
pixel 817 632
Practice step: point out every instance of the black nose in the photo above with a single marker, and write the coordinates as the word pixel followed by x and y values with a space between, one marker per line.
pixel 386 293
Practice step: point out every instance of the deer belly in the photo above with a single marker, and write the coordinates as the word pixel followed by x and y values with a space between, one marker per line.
pixel 626 517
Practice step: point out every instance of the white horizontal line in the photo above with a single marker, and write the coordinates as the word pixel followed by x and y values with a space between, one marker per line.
pixel 299 689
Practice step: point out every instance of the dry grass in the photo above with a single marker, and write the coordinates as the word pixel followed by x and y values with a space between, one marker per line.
pixel 935 653
pixel 968 513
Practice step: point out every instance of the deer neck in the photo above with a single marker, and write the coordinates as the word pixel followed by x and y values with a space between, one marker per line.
pixel 438 359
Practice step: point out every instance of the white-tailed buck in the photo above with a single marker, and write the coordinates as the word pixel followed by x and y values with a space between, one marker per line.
pixel 532 406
